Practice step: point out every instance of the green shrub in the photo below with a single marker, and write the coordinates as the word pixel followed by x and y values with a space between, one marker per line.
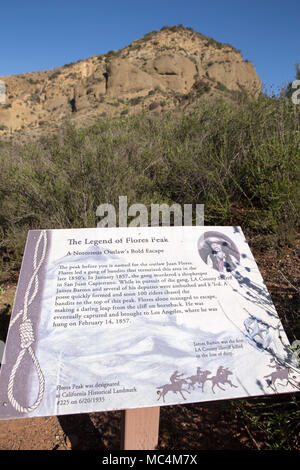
pixel 201 87
pixel 32 81
pixel 136 100
pixel 240 158
pixel 221 86
pixel 153 105
pixel 54 74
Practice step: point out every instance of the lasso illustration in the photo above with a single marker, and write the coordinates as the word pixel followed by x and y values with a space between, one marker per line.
pixel 26 330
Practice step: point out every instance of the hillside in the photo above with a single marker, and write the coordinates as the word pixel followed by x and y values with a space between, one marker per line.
pixel 238 156
pixel 162 70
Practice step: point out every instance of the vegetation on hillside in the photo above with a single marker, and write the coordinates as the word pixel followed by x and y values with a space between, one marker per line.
pixel 239 157
pixel 242 160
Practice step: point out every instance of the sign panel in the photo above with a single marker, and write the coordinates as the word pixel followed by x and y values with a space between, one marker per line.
pixel 116 318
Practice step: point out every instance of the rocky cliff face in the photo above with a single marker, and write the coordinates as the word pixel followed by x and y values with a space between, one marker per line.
pixel 158 71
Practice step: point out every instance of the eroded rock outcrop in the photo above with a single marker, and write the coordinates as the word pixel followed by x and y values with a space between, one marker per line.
pixel 154 72
pixel 124 78
pixel 173 71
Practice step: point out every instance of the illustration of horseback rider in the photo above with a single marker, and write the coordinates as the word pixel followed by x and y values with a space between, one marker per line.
pixel 175 386
pixel 175 377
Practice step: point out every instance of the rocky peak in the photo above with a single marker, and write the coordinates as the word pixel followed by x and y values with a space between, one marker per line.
pixel 153 72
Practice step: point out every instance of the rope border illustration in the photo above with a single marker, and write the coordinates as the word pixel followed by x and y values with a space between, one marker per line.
pixel 26 331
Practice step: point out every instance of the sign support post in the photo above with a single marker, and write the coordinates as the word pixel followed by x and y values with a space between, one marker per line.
pixel 140 428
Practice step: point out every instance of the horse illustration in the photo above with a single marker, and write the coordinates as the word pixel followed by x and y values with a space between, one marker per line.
pixel 221 377
pixel 194 378
pixel 281 373
pixel 200 378
pixel 172 387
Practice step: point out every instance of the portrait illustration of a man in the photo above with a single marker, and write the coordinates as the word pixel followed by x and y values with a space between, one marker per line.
pixel 218 251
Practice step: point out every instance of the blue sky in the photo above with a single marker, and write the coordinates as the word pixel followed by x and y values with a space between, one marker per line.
pixel 38 35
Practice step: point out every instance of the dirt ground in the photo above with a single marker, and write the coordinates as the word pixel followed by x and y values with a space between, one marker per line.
pixel 209 426
pixel 181 427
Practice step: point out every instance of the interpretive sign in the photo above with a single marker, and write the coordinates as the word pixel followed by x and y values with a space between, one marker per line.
pixel 123 318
